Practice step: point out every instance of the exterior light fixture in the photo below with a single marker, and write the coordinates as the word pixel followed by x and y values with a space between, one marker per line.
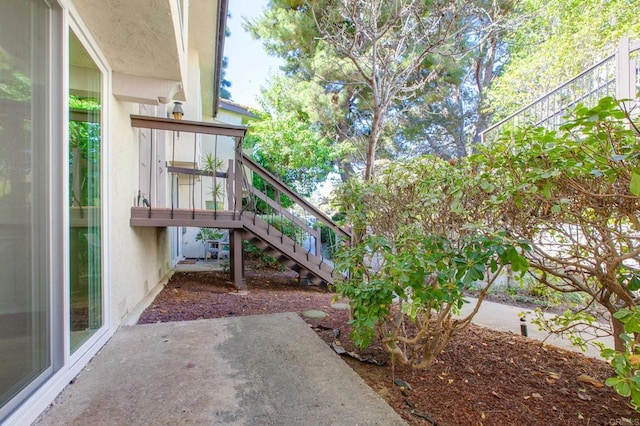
pixel 178 112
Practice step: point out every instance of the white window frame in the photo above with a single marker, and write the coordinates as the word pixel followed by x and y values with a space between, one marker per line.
pixel 88 349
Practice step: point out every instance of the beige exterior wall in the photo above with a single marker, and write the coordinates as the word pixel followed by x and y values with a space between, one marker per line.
pixel 139 257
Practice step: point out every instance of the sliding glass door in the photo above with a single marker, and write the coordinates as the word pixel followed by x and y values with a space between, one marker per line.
pixel 85 206
pixel 25 172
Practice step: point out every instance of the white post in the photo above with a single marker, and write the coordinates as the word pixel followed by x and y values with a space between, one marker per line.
pixel 624 89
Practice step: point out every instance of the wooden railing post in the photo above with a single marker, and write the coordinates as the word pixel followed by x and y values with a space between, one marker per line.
pixel 230 180
pixel 239 176
pixel 624 90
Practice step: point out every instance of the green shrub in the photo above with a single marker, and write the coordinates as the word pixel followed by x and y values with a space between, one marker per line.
pixel 286 226
pixel 626 364
pixel 418 245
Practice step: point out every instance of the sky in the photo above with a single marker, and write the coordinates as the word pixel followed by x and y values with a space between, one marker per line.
pixel 249 65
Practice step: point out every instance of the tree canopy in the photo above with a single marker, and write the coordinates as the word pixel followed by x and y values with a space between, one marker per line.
pixel 366 63
pixel 554 40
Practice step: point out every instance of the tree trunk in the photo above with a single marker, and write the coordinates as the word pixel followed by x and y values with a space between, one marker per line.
pixel 345 168
pixel 618 329
pixel 376 127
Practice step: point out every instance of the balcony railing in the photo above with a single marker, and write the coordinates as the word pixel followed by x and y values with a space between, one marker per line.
pixel 617 75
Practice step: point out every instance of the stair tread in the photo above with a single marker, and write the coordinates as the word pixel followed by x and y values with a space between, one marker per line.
pixel 273 242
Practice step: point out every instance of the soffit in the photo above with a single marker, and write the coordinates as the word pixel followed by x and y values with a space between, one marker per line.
pixel 138 37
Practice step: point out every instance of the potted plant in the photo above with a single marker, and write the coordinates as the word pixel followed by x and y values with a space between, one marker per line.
pixel 217 193
pixel 212 164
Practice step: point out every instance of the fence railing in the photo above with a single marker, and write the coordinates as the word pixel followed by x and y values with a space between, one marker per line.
pixel 617 75
pixel 288 212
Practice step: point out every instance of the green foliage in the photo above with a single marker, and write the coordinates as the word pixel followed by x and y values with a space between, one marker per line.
pixel 254 252
pixel 211 163
pixel 580 327
pixel 205 234
pixel 570 193
pixel 286 226
pixel 418 242
pixel 626 364
pixel 14 85
pixel 426 272
pixel 553 41
pixel 225 84
pixel 292 149
pixel 84 150
pixel 416 105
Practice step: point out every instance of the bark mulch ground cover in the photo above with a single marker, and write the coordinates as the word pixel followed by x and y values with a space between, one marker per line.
pixel 484 377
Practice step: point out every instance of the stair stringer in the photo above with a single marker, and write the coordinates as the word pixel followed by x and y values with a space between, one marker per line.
pixel 286 251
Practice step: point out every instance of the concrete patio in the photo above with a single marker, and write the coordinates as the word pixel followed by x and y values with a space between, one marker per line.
pixel 254 370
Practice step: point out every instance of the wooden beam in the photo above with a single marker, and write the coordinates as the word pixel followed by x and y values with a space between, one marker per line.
pixel 196 172
pixel 201 127
pixel 164 217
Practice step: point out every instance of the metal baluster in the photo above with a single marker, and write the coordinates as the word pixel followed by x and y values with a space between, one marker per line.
pixel 193 179
pixel 214 190
pixel 151 166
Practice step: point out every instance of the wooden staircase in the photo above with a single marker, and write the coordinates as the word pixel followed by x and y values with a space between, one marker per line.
pixel 274 243
pixel 309 264
pixel 246 206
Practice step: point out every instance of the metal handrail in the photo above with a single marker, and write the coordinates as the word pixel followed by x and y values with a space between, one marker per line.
pixel 586 91
pixel 298 199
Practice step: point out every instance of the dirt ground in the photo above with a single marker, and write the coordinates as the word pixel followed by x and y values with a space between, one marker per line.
pixel 484 377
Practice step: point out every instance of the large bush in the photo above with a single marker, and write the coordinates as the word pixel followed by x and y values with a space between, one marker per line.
pixel 421 240
pixel 575 194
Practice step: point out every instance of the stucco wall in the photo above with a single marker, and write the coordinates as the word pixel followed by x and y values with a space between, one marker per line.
pixel 139 257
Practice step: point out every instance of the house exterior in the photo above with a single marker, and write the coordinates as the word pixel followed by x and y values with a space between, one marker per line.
pixel 72 269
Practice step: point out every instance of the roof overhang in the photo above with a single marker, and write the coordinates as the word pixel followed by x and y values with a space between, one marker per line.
pixel 205 128
pixel 146 44
pixel 227 105
pixel 208 22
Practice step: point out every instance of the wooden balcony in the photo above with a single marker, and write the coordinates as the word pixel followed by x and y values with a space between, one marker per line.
pixel 250 213
pixel 159 217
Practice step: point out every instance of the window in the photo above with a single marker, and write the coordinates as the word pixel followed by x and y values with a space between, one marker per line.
pixel 85 182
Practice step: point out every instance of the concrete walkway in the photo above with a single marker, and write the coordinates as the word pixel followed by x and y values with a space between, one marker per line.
pixel 254 370
pixel 201 265
pixel 505 318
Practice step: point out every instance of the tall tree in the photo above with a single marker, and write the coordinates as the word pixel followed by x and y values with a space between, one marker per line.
pixel 427 109
pixel 393 47
pixel 225 84
pixel 311 81
pixel 291 147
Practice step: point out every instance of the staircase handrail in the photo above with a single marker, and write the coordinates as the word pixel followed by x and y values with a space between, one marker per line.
pixel 540 99
pixel 294 196
pixel 630 47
